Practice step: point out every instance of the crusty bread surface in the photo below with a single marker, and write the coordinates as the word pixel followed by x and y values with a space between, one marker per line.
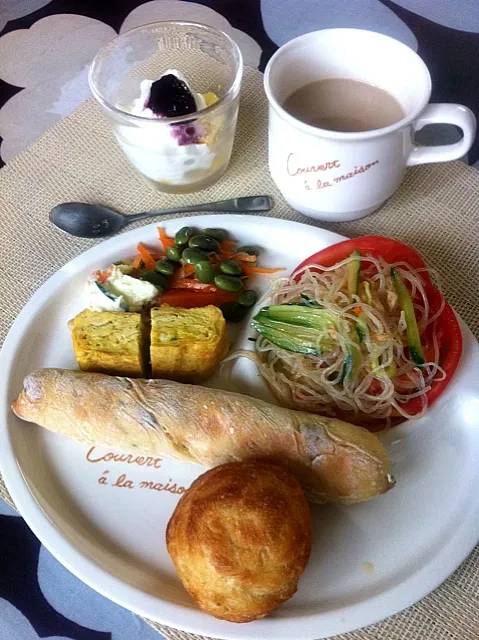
pixel 335 461
pixel 240 538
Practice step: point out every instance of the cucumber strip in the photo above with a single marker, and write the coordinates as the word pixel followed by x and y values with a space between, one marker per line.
pixel 309 302
pixel 289 340
pixel 413 337
pixel 296 328
pixel 361 326
pixel 106 292
pixel 347 368
pixel 299 315
pixel 352 361
pixel 354 267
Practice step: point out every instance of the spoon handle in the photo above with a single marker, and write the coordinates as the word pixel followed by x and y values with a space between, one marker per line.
pixel 244 205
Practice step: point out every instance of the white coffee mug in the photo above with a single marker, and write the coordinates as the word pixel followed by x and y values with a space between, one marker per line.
pixel 339 176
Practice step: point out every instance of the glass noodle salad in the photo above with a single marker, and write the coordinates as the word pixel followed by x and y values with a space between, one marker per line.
pixel 359 332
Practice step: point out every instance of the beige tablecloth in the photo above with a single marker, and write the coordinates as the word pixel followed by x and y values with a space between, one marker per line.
pixel 436 210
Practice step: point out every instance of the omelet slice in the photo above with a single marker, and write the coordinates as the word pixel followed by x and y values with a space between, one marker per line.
pixel 110 342
pixel 186 344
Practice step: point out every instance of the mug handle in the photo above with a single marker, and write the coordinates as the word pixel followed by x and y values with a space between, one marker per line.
pixel 445 114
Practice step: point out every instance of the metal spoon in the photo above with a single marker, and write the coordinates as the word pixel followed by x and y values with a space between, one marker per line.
pixel 94 221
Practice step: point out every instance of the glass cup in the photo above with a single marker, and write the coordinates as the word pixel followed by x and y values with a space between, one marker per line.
pixel 179 154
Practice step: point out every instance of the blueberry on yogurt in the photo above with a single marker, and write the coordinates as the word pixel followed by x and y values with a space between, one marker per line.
pixel 171 97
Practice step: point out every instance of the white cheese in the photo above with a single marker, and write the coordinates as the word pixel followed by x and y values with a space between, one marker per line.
pixel 127 293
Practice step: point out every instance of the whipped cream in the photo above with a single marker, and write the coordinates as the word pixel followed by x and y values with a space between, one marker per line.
pixel 161 152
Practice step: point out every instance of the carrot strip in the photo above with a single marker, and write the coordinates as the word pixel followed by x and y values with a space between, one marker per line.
pixel 220 257
pixel 102 276
pixel 227 246
pixel 184 271
pixel 148 259
pixel 251 271
pixel 188 269
pixel 195 285
pixel 137 261
pixel 165 239
pixel 243 257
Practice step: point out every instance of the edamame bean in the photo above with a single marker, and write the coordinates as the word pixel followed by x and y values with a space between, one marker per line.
pixel 247 298
pixel 204 243
pixel 165 267
pixel 231 268
pixel 174 253
pixel 233 312
pixel 251 249
pixel 155 278
pixel 204 271
pixel 183 236
pixel 228 283
pixel 217 234
pixel 192 256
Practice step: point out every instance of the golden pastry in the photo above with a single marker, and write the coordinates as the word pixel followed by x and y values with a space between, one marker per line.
pixel 240 538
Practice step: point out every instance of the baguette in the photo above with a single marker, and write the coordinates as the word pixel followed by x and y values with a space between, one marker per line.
pixel 335 461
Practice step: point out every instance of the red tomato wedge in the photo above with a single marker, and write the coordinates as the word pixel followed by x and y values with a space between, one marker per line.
pixel 192 299
pixel 448 331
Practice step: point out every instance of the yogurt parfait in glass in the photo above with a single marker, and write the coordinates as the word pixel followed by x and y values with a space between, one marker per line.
pixel 171 91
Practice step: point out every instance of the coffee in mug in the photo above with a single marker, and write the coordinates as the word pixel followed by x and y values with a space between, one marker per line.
pixel 344 105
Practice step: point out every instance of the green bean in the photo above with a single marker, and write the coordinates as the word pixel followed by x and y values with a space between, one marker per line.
pixel 233 312
pixel 192 256
pixel 155 278
pixel 231 268
pixel 217 234
pixel 174 254
pixel 183 236
pixel 247 298
pixel 165 267
pixel 251 249
pixel 228 283
pixel 204 271
pixel 205 244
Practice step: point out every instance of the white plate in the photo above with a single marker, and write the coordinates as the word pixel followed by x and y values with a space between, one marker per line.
pixel 368 561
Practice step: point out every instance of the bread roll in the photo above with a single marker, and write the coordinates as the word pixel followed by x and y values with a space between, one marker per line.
pixel 240 538
pixel 335 461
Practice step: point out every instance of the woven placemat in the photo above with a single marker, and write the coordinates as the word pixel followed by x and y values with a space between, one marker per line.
pixel 436 210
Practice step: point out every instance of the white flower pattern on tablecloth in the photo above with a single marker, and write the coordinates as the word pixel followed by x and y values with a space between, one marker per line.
pixel 70 598
pixel 284 20
pixel 74 600
pixel 14 9
pixel 462 15
pixel 15 626
pixel 6 510
pixel 51 59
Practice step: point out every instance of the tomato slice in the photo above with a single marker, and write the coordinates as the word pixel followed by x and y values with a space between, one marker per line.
pixel 447 326
pixel 192 299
